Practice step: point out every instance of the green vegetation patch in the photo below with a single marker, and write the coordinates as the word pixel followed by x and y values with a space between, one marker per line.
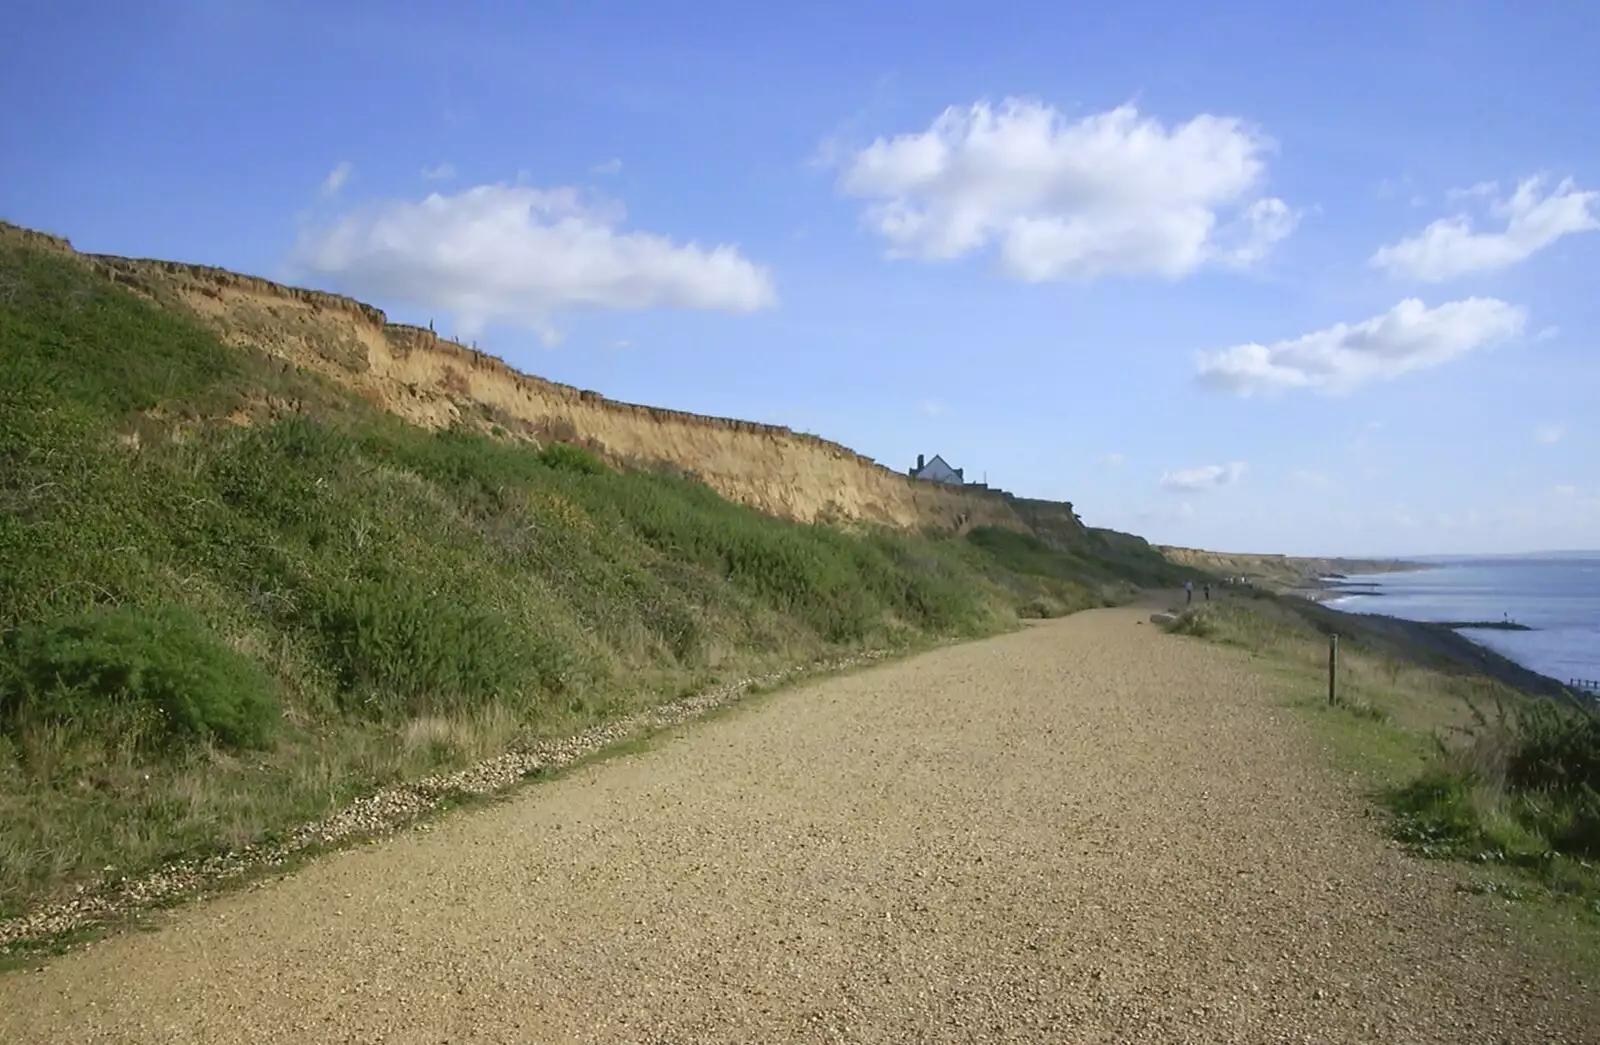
pixel 157 665
pixel 1519 788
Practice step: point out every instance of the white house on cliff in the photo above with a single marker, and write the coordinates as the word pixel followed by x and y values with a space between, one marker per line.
pixel 937 470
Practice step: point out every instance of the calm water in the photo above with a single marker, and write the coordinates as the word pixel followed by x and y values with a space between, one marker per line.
pixel 1558 597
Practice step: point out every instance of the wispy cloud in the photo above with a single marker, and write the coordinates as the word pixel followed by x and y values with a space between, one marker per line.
pixel 1205 477
pixel 611 166
pixel 847 136
pixel 336 178
pixel 1450 247
pixel 1549 433
pixel 931 407
pixel 442 172
pixel 1340 358
pixel 1482 188
pixel 1113 460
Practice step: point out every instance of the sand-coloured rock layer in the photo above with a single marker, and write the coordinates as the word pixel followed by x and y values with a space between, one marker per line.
pixel 433 381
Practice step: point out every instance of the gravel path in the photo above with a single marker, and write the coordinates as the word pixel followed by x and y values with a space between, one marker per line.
pixel 1085 832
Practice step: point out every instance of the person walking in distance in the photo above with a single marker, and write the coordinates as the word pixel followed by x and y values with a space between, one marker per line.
pixel 1188 592
pixel 1206 587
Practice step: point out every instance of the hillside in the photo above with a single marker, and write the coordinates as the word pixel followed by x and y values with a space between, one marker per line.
pixel 261 553
pixel 434 382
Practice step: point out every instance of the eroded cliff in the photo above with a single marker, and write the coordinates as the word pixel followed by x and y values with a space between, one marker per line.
pixel 435 382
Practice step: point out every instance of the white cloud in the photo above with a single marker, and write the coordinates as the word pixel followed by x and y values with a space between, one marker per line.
pixel 1449 247
pixel 336 178
pixel 1264 224
pixel 1410 336
pixel 611 166
pixel 622 343
pixel 443 172
pixel 931 407
pixel 1308 477
pixel 1482 188
pixel 1111 193
pixel 1548 433
pixel 1206 477
pixel 518 253
pixel 1565 490
pixel 1113 460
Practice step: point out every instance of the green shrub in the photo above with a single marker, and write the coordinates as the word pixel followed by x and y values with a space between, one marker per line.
pixel 1519 790
pixel 278 473
pixel 1554 747
pixel 567 458
pixel 397 647
pixel 1578 831
pixel 1435 813
pixel 1037 609
pixel 1549 756
pixel 159 658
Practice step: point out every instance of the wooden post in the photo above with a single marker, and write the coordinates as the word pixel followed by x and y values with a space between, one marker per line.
pixel 1333 668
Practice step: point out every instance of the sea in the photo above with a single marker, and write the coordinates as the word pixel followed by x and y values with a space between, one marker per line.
pixel 1557 595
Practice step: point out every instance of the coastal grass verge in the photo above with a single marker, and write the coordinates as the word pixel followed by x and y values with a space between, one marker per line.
pixel 136 902
pixel 1469 768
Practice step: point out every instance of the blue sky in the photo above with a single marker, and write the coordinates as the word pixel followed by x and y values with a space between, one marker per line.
pixel 1305 278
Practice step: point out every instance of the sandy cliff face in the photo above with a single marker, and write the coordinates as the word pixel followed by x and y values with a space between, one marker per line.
pixel 1051 521
pixel 435 382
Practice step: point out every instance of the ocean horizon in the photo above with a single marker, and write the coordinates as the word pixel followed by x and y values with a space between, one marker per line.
pixel 1555 594
pixel 1574 553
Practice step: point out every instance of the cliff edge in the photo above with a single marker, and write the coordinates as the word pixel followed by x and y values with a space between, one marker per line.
pixel 435 382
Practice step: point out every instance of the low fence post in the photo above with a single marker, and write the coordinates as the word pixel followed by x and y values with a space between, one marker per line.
pixel 1333 669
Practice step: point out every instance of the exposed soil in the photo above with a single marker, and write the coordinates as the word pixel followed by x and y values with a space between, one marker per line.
pixel 1089 831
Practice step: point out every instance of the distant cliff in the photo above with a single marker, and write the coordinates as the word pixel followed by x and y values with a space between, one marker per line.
pixel 1276 571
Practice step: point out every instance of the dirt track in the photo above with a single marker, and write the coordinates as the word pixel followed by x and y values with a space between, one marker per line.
pixel 1086 832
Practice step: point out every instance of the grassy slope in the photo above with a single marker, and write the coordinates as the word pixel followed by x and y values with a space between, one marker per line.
pixel 233 597
pixel 1469 768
